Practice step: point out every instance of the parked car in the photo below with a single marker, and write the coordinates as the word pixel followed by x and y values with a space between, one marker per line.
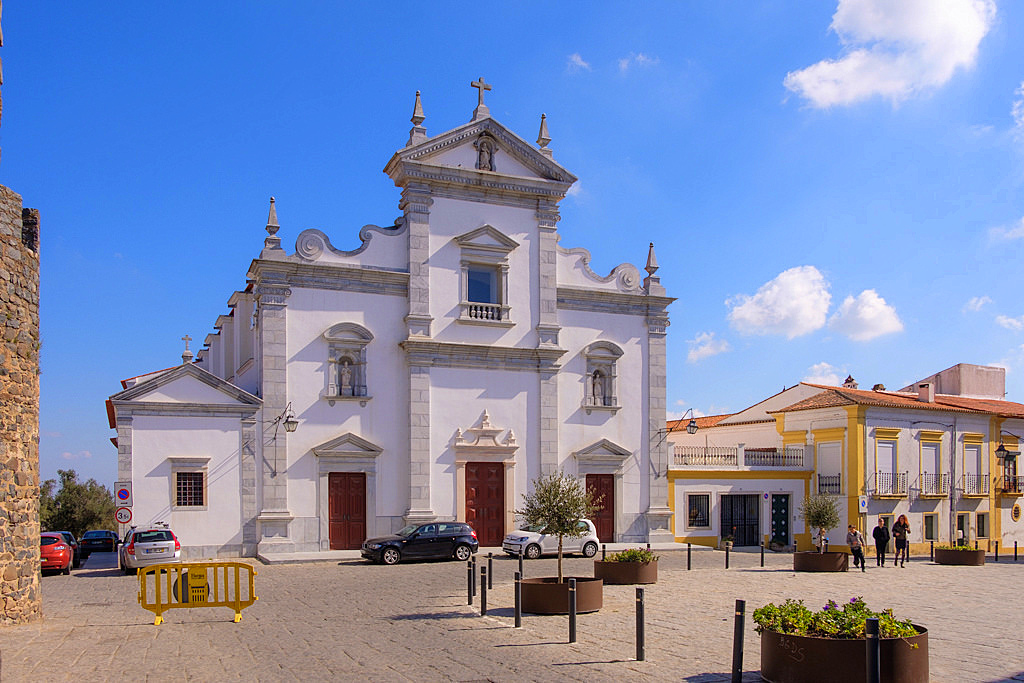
pixel 145 547
pixel 70 538
pixel 98 540
pixel 534 542
pixel 422 541
pixel 54 552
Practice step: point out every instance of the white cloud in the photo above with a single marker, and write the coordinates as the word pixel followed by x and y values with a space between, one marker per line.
pixel 1007 234
pixel 80 455
pixel 1015 324
pixel 824 373
pixel 705 345
pixel 794 303
pixel 575 190
pixel 636 59
pixel 682 409
pixel 1018 111
pixel 1013 360
pixel 865 317
pixel 976 303
pixel 577 63
pixel 894 49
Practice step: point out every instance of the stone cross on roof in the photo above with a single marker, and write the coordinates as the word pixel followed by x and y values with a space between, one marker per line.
pixel 481 110
pixel 186 355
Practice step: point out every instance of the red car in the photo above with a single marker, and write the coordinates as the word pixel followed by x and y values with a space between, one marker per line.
pixel 54 552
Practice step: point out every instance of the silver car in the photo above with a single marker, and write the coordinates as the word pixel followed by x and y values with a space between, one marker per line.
pixel 145 547
pixel 534 542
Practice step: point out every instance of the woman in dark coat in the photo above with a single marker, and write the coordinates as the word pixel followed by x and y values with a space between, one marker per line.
pixel 881 536
pixel 900 535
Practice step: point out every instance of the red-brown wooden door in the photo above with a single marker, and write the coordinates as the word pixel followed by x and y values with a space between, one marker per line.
pixel 485 501
pixel 346 495
pixel 603 486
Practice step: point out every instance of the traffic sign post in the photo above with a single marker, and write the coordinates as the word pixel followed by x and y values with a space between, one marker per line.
pixel 123 494
pixel 123 515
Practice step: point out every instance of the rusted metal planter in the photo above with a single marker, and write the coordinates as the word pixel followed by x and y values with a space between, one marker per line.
pixel 803 659
pixel 968 558
pixel 619 573
pixel 813 561
pixel 546 595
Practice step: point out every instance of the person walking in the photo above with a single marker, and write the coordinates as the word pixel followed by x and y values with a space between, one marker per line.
pixel 855 540
pixel 900 535
pixel 881 536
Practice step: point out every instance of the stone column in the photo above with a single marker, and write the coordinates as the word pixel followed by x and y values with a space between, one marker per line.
pixel 247 487
pixel 547 332
pixel 419 509
pixel 659 515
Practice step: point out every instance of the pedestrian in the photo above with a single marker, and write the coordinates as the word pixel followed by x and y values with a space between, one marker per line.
pixel 881 536
pixel 900 534
pixel 855 540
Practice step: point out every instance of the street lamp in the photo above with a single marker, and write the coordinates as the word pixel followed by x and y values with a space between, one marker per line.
pixel 691 426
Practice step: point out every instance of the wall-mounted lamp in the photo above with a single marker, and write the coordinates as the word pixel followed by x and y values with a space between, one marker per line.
pixel 287 417
pixel 1002 453
pixel 691 426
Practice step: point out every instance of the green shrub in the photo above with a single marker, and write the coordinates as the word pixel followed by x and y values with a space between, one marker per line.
pixel 955 547
pixel 794 619
pixel 633 555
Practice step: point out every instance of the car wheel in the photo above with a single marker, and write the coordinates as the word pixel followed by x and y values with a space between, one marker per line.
pixel 590 549
pixel 67 569
pixel 462 552
pixel 532 551
pixel 390 556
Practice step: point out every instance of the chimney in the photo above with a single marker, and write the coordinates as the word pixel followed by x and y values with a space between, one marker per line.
pixel 878 387
pixel 850 383
pixel 926 392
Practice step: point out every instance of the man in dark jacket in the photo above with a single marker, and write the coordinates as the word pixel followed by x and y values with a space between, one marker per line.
pixel 881 536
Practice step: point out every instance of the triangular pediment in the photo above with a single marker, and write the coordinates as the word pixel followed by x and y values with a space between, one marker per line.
pixel 348 445
pixel 187 384
pixel 489 238
pixel 603 451
pixel 459 149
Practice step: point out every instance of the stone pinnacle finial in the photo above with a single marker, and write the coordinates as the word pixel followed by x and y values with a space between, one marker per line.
pixel 543 139
pixel 418 132
pixel 272 225
pixel 652 261
pixel 481 111
pixel 417 111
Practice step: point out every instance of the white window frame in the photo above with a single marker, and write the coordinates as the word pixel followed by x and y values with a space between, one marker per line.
pixel 485 248
pixel 602 359
pixel 346 348
pixel 189 464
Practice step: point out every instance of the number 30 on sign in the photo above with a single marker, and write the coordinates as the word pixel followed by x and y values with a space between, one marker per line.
pixel 123 515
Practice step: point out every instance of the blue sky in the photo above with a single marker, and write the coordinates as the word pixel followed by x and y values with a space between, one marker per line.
pixel 832 189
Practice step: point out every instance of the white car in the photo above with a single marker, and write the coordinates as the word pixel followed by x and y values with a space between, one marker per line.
pixel 145 547
pixel 533 542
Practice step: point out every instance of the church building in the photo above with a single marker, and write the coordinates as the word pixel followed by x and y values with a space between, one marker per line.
pixel 429 370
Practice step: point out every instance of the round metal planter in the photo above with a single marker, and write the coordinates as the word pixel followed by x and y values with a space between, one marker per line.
pixel 621 573
pixel 803 659
pixel 814 561
pixel 547 596
pixel 968 558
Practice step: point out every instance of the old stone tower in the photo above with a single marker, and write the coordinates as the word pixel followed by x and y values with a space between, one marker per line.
pixel 20 599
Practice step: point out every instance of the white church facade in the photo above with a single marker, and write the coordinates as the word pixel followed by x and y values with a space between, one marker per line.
pixel 429 372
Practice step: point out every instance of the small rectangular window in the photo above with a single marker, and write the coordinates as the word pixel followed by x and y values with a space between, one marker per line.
pixel 482 285
pixel 982 524
pixel 931 527
pixel 189 489
pixel 699 509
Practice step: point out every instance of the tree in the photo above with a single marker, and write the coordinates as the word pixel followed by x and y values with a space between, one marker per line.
pixel 559 502
pixel 820 511
pixel 75 507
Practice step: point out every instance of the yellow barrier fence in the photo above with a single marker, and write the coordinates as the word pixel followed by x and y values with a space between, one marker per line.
pixel 197 584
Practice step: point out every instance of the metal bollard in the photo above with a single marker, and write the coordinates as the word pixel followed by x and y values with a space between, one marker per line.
pixel 997 551
pixel 490 570
pixel 737 641
pixel 483 591
pixel 648 546
pixel 762 553
pixel 640 639
pixel 726 557
pixel 874 647
pixel 521 573
pixel 975 545
pixel 1015 551
pixel 572 610
pixel 473 579
pixel 931 551
pixel 604 551
pixel 688 549
pixel 519 600
pixel 469 580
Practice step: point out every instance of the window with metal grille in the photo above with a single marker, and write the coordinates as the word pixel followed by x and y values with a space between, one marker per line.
pixel 699 509
pixel 189 489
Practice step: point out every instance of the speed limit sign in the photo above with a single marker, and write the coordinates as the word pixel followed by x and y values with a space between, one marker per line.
pixel 123 515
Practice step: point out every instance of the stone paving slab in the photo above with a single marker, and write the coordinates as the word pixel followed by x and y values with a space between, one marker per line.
pixel 350 620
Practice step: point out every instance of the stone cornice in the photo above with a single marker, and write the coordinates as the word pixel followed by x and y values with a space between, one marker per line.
pixel 446 354
pixel 332 276
pixel 603 301
pixel 470 184
pixel 133 408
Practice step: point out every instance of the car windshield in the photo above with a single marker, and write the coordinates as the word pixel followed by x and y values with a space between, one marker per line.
pixel 408 530
pixel 153 536
pixel 535 528
pixel 95 534
pixel 48 540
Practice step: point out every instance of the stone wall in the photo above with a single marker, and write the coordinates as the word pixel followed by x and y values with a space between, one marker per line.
pixel 20 598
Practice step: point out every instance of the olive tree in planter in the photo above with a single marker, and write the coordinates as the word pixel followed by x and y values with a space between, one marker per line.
pixel 799 645
pixel 559 501
pixel 820 511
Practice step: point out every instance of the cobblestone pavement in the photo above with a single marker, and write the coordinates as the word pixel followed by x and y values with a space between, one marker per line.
pixel 349 620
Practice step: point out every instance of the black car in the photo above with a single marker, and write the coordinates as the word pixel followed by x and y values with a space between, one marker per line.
pixel 75 548
pixel 98 540
pixel 422 541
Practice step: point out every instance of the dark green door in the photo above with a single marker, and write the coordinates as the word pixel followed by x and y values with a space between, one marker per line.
pixel 780 519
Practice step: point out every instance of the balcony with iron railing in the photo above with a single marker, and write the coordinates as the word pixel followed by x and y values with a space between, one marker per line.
pixel 974 485
pixel 933 485
pixel 737 457
pixel 1011 485
pixel 890 485
pixel 830 484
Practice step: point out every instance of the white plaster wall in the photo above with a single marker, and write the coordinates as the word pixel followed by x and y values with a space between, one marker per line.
pixel 758 435
pixel 465 156
pixel 719 487
pixel 572 272
pixel 385 251
pixel 188 390
pixel 384 420
pixel 154 439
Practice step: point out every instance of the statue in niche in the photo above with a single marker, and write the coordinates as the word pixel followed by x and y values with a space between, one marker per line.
pixel 597 388
pixel 485 154
pixel 345 378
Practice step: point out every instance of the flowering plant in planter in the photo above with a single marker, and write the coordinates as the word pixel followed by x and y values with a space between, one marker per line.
pixel 633 555
pixel 833 621
pixel 955 547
